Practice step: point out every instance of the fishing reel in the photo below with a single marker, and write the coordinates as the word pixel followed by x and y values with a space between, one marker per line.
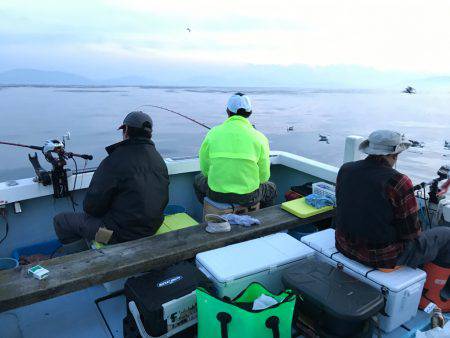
pixel 54 153
pixel 443 174
pixel 434 210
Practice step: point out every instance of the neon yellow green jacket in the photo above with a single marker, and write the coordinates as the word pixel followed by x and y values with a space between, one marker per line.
pixel 235 157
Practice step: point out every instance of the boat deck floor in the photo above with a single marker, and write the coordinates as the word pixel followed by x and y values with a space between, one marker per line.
pixel 75 315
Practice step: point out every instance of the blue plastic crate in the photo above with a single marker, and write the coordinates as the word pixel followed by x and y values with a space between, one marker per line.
pixel 45 248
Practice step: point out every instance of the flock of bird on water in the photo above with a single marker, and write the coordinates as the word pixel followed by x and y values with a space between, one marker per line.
pixel 414 143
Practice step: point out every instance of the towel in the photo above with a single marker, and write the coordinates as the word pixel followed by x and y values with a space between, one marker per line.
pixel 244 220
pixel 318 201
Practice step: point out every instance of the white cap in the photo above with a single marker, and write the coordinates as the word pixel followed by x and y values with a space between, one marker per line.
pixel 238 101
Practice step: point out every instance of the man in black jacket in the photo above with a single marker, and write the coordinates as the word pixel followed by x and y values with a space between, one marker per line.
pixel 128 191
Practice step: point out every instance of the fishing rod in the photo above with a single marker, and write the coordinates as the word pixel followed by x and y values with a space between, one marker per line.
pixel 54 153
pixel 21 145
pixel 174 112
pixel 57 148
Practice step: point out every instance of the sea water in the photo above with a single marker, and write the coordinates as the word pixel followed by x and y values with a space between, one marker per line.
pixel 32 115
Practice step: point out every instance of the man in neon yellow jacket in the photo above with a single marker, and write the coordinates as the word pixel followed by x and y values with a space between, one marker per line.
pixel 234 160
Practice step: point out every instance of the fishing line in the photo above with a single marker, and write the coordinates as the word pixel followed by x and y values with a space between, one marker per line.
pixel 5 218
pixel 76 174
pixel 71 197
pixel 82 173
pixel 426 207
pixel 174 112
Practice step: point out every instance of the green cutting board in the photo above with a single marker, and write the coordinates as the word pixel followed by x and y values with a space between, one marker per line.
pixel 176 222
pixel 300 208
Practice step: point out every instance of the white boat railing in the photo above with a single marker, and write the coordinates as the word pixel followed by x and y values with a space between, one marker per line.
pixel 24 189
pixel 351 151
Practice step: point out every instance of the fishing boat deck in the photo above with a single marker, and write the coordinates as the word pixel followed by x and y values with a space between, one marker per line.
pixel 63 305
pixel 82 270
pixel 62 314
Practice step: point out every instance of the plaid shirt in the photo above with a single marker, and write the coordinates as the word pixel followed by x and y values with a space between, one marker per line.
pixel 400 193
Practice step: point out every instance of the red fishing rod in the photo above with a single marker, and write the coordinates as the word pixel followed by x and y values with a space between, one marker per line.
pixel 174 112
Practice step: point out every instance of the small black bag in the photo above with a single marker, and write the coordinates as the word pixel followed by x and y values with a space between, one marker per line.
pixel 163 301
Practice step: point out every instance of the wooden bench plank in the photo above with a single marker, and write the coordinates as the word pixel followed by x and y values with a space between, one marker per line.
pixel 78 271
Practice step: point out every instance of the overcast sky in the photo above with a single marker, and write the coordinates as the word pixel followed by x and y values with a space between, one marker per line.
pixel 101 37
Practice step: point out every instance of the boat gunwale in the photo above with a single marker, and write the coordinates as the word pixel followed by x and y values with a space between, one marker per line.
pixel 28 188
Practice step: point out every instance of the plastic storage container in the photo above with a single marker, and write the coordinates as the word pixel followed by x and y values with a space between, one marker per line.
pixel 163 301
pixel 234 267
pixel 324 189
pixel 337 303
pixel 402 288
pixel 45 248
pixel 322 241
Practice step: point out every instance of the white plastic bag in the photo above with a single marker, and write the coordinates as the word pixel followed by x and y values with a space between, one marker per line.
pixel 263 302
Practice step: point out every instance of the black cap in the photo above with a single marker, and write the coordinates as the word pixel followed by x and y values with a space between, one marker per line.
pixel 138 119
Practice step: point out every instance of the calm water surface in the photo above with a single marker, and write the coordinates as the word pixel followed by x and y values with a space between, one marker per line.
pixel 32 115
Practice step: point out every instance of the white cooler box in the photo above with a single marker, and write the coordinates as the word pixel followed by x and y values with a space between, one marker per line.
pixel 234 267
pixel 402 288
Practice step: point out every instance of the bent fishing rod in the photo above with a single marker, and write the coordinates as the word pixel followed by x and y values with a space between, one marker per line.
pixel 174 112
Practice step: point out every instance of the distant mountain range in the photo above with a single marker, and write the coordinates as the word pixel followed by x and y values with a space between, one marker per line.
pixel 340 76
pixel 40 77
pixel 55 78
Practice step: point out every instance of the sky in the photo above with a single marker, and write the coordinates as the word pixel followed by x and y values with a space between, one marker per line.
pixel 106 38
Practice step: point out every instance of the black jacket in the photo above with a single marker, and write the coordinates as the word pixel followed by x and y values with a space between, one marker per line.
pixel 129 190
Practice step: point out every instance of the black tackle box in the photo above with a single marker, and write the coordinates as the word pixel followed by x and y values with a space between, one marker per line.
pixel 165 300
pixel 338 304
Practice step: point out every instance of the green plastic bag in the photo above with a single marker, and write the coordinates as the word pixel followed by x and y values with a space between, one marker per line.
pixel 219 318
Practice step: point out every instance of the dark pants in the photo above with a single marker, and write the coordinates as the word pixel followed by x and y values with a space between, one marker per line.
pixel 431 246
pixel 73 226
pixel 266 194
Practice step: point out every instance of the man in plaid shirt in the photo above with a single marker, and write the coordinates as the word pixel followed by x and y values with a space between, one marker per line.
pixel 376 218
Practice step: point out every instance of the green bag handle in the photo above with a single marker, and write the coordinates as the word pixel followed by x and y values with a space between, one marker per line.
pixel 273 324
pixel 224 319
